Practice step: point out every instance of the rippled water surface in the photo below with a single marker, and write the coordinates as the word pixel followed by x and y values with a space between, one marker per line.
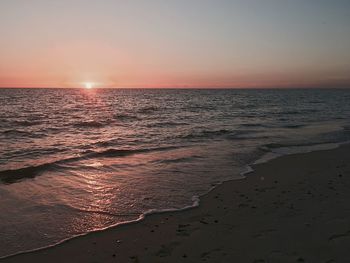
pixel 74 161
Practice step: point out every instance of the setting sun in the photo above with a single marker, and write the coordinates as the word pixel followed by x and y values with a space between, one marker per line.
pixel 88 85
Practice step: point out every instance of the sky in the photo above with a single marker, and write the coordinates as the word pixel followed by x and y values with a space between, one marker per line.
pixel 175 43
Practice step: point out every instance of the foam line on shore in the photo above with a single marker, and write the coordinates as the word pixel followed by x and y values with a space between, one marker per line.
pixel 282 151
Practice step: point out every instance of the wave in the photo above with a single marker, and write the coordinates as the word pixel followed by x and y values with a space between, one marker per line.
pixel 166 124
pixel 125 152
pixel 139 217
pixel 261 125
pixel 20 133
pixel 252 125
pixel 294 126
pixel 316 101
pixel 15 175
pixel 241 134
pixel 125 117
pixel 116 152
pixel 295 112
pixel 90 124
pixel 108 143
pixel 332 137
pixel 273 146
pixel 27 123
pixel 178 160
pixel 207 134
pixel 147 109
pixel 200 108
pixel 33 152
pixel 276 152
pixel 14 132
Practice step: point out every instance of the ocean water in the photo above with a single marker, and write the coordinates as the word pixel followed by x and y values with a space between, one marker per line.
pixel 74 161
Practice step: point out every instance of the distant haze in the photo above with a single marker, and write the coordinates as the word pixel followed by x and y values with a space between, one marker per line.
pixel 177 43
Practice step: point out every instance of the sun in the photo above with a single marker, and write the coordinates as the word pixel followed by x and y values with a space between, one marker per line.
pixel 89 85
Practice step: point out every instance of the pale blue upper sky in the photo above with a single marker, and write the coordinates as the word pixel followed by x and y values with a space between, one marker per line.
pixel 175 42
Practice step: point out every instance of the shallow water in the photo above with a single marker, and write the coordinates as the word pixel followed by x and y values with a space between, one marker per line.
pixel 74 161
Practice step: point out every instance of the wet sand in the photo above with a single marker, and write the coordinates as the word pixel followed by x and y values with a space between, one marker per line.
pixel 293 209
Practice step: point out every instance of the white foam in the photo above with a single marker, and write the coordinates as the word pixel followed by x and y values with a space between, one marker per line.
pixel 278 152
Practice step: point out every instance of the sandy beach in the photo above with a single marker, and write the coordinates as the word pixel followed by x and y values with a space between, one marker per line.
pixel 292 209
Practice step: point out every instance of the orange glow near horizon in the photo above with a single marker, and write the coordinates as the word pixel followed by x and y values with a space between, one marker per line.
pixel 153 81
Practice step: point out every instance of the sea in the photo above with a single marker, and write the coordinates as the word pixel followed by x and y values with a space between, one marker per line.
pixel 74 161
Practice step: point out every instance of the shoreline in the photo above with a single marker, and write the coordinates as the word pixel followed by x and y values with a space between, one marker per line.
pixel 122 243
pixel 267 157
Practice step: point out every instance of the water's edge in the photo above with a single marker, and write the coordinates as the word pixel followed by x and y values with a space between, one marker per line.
pixel 249 168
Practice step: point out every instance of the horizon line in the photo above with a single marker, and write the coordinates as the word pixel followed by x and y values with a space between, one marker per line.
pixel 191 88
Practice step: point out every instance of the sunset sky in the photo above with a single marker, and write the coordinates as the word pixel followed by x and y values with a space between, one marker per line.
pixel 175 43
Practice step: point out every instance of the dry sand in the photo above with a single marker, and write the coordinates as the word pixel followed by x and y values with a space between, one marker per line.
pixel 293 209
